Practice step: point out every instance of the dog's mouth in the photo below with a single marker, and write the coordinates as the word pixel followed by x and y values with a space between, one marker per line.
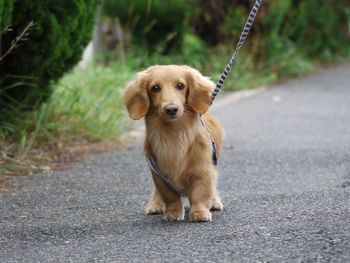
pixel 171 118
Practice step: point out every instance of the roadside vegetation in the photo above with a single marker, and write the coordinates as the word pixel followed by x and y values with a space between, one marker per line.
pixel 61 117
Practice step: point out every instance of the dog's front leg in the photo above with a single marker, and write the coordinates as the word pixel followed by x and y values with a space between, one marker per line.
pixel 202 191
pixel 174 209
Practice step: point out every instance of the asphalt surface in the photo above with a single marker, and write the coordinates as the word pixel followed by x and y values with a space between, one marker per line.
pixel 284 181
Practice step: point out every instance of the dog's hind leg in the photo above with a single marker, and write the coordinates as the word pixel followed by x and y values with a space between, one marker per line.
pixel 216 204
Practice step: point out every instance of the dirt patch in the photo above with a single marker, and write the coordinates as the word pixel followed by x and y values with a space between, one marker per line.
pixel 57 156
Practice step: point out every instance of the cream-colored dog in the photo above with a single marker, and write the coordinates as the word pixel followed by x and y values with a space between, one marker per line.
pixel 179 132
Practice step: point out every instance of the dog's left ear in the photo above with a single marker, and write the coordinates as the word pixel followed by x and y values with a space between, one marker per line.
pixel 200 90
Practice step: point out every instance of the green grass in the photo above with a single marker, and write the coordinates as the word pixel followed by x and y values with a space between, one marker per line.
pixel 86 106
pixel 87 103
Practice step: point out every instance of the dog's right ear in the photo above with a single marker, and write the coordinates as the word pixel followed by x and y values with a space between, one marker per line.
pixel 136 97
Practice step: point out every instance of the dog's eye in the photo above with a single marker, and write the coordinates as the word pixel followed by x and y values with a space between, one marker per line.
pixel 180 85
pixel 155 88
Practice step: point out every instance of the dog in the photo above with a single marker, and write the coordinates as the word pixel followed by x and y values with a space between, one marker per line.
pixel 181 136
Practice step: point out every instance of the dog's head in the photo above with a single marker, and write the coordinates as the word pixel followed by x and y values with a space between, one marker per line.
pixel 168 91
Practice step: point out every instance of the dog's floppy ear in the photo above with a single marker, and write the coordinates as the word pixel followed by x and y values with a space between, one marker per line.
pixel 136 97
pixel 200 90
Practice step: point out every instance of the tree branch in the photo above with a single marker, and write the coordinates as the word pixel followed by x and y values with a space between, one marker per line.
pixel 21 37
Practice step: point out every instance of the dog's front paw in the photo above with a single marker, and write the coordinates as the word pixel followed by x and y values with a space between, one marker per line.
pixel 200 216
pixel 154 208
pixel 174 215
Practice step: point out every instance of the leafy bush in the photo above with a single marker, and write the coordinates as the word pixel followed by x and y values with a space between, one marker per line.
pixel 6 7
pixel 314 28
pixel 319 27
pixel 62 30
pixel 85 106
pixel 88 103
pixel 274 38
pixel 156 25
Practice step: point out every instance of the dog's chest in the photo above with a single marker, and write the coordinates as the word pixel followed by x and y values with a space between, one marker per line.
pixel 170 150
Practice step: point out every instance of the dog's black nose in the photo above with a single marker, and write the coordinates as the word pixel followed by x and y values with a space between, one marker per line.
pixel 171 109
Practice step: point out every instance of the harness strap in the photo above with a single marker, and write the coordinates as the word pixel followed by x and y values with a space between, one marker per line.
pixel 241 40
pixel 155 168
pixel 214 155
pixel 215 159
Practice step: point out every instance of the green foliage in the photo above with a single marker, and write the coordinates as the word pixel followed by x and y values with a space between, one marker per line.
pixel 155 25
pixel 6 7
pixel 193 53
pixel 62 30
pixel 233 24
pixel 85 105
pixel 274 41
pixel 308 28
pixel 319 27
pixel 284 31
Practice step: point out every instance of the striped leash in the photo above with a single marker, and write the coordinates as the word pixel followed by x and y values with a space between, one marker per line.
pixel 241 40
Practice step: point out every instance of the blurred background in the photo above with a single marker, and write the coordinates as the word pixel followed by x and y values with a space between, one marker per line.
pixel 64 64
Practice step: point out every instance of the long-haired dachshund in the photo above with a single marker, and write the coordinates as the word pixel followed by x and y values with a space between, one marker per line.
pixel 181 138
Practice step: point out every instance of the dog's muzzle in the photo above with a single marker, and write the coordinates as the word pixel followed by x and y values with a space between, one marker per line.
pixel 171 110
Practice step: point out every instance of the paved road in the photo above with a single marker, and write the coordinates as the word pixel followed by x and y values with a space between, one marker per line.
pixel 285 184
